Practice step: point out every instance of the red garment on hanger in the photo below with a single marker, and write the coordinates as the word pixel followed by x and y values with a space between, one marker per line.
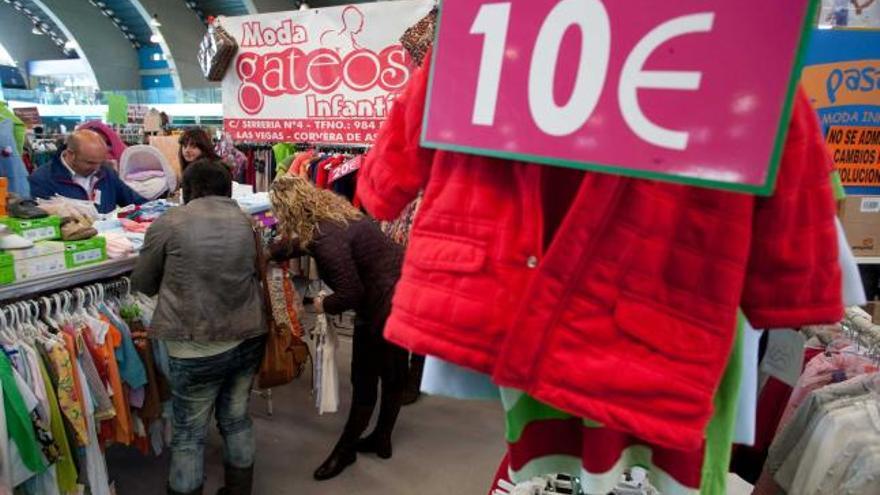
pixel 628 317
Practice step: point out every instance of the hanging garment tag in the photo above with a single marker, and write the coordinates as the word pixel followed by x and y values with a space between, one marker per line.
pixel 784 359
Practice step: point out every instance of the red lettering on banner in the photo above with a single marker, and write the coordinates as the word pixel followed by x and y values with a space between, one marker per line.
pixel 322 71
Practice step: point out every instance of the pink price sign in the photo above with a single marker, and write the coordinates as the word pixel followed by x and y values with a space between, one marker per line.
pixel 682 90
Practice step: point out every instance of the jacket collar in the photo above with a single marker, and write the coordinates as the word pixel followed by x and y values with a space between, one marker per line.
pixel 62 173
pixel 205 200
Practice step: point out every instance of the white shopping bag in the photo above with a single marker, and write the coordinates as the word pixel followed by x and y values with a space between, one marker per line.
pixel 326 386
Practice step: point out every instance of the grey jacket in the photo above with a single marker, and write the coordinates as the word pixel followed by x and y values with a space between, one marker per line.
pixel 200 259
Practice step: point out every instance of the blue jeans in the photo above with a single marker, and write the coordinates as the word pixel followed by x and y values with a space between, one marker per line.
pixel 221 383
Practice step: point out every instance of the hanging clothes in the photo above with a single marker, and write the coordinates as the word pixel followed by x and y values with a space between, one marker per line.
pixel 590 319
pixel 19 130
pixel 11 165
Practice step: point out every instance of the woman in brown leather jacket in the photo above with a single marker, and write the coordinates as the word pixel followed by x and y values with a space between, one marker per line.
pixel 362 265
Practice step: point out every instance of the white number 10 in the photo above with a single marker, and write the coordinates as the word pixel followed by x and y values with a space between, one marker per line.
pixel 591 17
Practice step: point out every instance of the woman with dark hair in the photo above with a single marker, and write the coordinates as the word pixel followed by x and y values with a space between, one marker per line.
pixel 195 144
pixel 216 339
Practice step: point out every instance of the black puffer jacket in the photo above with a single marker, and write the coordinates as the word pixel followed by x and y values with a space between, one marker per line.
pixel 362 266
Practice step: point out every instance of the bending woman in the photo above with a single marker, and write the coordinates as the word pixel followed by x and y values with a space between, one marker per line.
pixel 362 265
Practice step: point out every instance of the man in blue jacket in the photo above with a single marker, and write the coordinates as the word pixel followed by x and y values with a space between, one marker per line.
pixel 79 172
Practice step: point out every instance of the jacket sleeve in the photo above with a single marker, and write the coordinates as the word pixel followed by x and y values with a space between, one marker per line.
pixel 397 167
pixel 339 270
pixel 793 276
pixel 41 185
pixel 148 272
pixel 284 249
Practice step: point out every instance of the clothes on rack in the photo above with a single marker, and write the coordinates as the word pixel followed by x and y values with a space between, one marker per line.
pixel 19 130
pixel 592 318
pixel 260 166
pixel 11 164
pixel 72 383
pixel 829 431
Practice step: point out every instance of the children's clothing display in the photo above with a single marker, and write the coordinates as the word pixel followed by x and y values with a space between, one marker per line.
pixel 70 379
pixel 656 314
pixel 828 433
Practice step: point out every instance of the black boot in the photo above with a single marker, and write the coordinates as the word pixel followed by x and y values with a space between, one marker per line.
pixel 345 453
pixel 414 379
pixel 379 441
pixel 237 481
pixel 197 491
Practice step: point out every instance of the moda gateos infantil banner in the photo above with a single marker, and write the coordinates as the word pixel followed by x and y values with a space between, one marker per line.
pixel 842 76
pixel 680 90
pixel 319 76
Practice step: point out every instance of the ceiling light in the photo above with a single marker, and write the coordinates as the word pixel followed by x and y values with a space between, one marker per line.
pixel 155 21
pixel 123 27
pixel 36 30
pixel 156 57
pixel 156 38
pixel 70 45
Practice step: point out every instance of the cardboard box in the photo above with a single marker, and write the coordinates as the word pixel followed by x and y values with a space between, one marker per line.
pixel 873 308
pixel 7 268
pixel 38 229
pixel 87 252
pixel 860 216
pixel 39 266
pixel 41 248
pixel 45 258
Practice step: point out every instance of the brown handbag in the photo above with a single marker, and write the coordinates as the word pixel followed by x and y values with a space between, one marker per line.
pixel 216 52
pixel 286 353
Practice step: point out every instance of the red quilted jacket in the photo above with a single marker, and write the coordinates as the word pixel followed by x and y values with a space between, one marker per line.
pixel 609 297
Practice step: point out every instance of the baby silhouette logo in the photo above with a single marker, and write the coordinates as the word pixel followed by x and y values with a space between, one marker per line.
pixel 345 39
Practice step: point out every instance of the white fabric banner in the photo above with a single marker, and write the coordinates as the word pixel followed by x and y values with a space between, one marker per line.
pixel 318 76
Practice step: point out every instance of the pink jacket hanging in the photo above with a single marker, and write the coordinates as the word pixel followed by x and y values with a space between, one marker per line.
pixel 628 317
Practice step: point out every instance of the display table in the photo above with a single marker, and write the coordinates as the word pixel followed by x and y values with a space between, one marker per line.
pixel 68 278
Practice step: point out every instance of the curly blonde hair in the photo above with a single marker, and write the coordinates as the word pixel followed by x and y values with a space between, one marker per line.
pixel 299 206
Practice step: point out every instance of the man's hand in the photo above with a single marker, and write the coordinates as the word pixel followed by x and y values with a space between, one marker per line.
pixel 318 303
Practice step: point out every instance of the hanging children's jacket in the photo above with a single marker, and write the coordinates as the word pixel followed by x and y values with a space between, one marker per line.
pixel 627 316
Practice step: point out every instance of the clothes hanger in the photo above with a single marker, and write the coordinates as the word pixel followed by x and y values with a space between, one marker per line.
pixel 92 308
pixel 9 326
pixel 4 326
pixel 22 326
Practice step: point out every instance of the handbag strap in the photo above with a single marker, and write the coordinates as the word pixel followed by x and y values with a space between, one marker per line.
pixel 260 267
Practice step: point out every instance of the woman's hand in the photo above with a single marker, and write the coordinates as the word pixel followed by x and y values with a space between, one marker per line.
pixel 281 249
pixel 318 303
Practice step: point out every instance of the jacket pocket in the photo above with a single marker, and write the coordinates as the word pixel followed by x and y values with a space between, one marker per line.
pixel 667 334
pixel 429 251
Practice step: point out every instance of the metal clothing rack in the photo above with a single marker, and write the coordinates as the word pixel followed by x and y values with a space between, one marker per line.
pixel 859 327
pixel 67 278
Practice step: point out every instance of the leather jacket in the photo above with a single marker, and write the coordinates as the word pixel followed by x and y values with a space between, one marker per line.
pixel 201 260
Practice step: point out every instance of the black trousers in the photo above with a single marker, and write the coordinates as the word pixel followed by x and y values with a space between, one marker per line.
pixel 374 359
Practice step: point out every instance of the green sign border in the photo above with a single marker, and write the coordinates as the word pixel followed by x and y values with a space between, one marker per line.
pixel 765 189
